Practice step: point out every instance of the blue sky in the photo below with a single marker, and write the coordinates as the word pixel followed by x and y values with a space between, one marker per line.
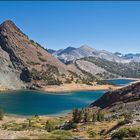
pixel 112 26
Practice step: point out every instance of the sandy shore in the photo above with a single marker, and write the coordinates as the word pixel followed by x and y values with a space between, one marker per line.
pixel 3 88
pixel 77 87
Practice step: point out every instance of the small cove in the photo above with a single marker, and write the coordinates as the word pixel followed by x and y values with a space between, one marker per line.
pixel 120 82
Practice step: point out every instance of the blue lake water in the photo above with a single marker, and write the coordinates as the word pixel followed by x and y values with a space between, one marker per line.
pixel 36 102
pixel 120 82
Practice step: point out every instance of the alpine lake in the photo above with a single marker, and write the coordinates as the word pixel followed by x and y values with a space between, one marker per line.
pixel 30 102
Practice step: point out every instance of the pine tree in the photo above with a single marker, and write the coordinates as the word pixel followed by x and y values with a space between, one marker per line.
pixel 77 115
pixel 29 122
pixel 1 115
pixel 94 117
pixel 87 116
pixel 100 116
pixel 48 126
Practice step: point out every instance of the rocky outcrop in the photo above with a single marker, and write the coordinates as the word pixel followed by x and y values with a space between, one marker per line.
pixel 130 93
pixel 9 77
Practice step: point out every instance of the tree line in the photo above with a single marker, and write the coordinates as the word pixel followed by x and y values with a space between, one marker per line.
pixel 87 115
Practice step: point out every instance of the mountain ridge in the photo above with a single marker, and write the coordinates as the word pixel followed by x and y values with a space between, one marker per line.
pixel 86 51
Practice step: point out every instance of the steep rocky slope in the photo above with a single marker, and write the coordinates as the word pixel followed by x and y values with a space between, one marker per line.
pixel 8 75
pixel 126 94
pixel 25 63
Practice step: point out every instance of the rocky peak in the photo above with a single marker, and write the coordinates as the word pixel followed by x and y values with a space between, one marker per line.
pixel 66 51
pixel 9 25
pixel 8 41
pixel 86 47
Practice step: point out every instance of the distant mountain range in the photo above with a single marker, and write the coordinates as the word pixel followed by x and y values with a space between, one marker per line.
pixel 130 56
pixel 71 53
pixel 100 64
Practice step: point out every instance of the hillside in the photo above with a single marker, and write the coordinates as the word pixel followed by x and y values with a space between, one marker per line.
pixel 130 93
pixel 25 63
pixel 107 69
pixel 118 104
pixel 121 101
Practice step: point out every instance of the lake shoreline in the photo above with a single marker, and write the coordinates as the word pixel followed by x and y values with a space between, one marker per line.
pixel 66 88
pixel 73 87
pixel 57 115
pixel 77 87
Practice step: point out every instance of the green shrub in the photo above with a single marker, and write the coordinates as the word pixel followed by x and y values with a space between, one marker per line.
pixel 25 126
pixel 100 116
pixel 127 117
pixel 29 122
pixel 1 115
pixel 57 135
pixel 94 117
pixel 32 41
pixel 52 69
pixel 127 133
pixel 121 122
pixel 32 63
pixel 48 126
pixel 68 81
pixel 73 73
pixel 88 83
pixel 77 115
pixel 86 116
pixel 92 134
pixel 39 53
pixel 61 135
pixel 54 82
